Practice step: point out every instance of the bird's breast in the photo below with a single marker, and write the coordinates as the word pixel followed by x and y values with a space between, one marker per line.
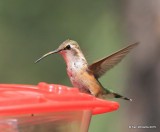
pixel 75 72
pixel 75 67
pixel 81 79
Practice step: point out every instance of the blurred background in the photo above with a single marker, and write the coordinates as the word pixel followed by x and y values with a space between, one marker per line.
pixel 28 29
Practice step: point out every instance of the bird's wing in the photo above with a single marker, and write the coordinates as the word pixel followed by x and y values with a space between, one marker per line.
pixel 100 67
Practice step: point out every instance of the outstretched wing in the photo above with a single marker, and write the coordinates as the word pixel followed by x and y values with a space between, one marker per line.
pixel 100 67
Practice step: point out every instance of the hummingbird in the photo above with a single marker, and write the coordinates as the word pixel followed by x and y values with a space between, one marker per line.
pixel 84 76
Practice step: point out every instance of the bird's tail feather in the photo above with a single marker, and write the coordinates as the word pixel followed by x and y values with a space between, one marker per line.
pixel 116 95
pixel 112 94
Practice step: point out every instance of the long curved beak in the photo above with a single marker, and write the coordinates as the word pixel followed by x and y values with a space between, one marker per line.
pixel 45 55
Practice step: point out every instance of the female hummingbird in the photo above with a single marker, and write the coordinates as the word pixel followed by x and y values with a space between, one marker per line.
pixel 84 76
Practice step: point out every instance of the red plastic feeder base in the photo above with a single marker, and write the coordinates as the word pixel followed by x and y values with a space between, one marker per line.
pixel 26 99
pixel 47 107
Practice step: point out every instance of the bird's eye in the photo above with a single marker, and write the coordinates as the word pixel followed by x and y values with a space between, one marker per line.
pixel 68 47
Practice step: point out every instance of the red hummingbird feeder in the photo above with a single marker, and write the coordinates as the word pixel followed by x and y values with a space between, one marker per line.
pixel 48 107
